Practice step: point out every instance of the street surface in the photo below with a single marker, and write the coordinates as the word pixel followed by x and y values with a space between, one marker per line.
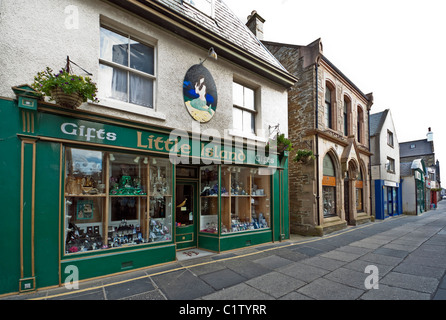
pixel 401 258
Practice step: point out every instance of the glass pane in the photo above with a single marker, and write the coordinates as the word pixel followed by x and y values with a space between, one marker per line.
pixel 261 195
pixel 248 122
pixel 184 205
pixel 246 205
pixel 84 200
pixel 141 57
pixel 112 83
pixel 160 200
pixel 249 99
pixel 238 94
pixel 114 47
pixel 329 200
pixel 327 95
pixel 128 200
pixel 141 91
pixel 359 200
pixel 329 169
pixel 209 199
pixel 238 119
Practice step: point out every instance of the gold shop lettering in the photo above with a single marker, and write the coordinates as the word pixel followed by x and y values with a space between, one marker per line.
pixel 217 152
pixel 159 144
pixel 73 129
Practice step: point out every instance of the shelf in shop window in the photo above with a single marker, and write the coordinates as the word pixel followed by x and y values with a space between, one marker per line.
pixel 100 195
pixel 127 195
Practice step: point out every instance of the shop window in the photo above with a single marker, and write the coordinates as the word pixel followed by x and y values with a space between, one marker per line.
pixel 244 111
pixel 127 69
pixel 329 187
pixel 115 200
pixel 245 199
pixel 209 199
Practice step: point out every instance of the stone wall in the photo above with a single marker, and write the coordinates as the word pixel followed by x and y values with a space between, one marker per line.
pixel 306 213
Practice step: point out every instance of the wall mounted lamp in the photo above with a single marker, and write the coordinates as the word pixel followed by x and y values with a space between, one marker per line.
pixel 211 54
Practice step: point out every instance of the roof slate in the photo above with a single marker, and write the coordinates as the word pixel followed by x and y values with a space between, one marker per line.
pixel 225 25
pixel 377 122
pixel 422 147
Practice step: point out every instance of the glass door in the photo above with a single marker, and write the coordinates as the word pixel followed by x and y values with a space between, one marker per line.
pixel 186 215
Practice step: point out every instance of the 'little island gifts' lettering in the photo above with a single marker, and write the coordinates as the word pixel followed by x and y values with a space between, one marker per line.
pixel 161 144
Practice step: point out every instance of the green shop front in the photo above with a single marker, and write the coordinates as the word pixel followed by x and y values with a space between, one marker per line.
pixel 100 195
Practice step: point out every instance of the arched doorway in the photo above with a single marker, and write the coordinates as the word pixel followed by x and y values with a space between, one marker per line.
pixel 350 205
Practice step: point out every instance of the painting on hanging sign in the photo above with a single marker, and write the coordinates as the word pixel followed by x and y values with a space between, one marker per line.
pixel 200 93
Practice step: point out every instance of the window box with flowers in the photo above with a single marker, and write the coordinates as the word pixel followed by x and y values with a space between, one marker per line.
pixel 68 90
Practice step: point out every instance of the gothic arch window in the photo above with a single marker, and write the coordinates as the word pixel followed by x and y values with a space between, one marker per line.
pixel 360 125
pixel 329 186
pixel 330 101
pixel 346 114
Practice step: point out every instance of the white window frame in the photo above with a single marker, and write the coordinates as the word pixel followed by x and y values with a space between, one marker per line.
pixel 244 109
pixel 127 106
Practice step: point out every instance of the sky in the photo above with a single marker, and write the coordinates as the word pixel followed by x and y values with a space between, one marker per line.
pixel 395 49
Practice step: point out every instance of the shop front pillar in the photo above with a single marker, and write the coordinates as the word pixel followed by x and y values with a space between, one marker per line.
pixel 27 280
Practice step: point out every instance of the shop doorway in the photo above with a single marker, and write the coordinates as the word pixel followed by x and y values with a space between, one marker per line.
pixel 186 224
pixel 347 200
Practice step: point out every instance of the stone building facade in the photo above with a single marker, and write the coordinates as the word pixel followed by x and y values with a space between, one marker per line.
pixel 328 115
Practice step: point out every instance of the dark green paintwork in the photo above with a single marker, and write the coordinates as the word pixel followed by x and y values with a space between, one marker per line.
pixel 48 214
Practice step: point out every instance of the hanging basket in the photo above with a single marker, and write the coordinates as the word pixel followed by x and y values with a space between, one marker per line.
pixel 67 100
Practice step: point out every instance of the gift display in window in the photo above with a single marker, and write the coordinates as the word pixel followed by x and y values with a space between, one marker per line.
pixel 247 207
pixel 128 204
pixel 128 175
pixel 84 174
pixel 85 198
pixel 84 221
pixel 209 190
pixel 160 228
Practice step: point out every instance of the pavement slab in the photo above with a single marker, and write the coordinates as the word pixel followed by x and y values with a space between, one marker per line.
pixel 324 289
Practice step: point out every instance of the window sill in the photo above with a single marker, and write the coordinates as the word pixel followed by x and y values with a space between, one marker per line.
pixel 241 134
pixel 131 108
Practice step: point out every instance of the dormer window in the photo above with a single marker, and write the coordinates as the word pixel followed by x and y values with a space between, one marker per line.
pixel 205 6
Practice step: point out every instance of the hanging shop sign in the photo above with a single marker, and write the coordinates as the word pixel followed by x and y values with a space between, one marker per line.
pixel 178 144
pixel 200 93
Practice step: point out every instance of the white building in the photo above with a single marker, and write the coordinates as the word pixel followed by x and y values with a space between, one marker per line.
pixel 385 165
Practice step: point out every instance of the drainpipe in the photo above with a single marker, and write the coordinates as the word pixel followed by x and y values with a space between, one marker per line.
pixel 318 192
pixel 370 169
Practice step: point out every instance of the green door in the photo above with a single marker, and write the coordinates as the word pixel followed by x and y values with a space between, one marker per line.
pixel 186 215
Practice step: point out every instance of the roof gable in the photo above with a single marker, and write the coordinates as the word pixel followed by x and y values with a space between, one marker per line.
pixel 377 121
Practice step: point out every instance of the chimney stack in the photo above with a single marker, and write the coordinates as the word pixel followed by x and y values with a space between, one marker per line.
pixel 255 24
pixel 430 135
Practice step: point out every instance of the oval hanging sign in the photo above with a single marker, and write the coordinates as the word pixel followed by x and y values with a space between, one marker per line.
pixel 200 93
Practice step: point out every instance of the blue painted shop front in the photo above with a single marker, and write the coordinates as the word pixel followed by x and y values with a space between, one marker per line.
pixel 388 199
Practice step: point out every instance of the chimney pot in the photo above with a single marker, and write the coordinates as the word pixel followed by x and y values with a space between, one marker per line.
pixel 255 24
